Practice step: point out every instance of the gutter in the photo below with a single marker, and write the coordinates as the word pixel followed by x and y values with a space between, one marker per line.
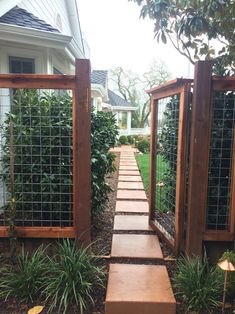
pixel 19 34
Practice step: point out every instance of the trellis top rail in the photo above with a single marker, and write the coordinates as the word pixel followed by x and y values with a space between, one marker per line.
pixel 219 83
pixel 169 89
pixel 38 81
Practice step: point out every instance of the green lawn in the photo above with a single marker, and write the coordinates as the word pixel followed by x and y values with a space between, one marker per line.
pixel 144 166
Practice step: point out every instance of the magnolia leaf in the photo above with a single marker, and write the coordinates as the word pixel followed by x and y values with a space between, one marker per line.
pixel 36 309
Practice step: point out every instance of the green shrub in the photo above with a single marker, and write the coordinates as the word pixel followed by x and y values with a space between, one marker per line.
pixel 143 146
pixel 230 255
pixel 130 139
pixel 123 140
pixel 25 278
pixel 42 127
pixel 200 286
pixel 73 275
pixel 104 132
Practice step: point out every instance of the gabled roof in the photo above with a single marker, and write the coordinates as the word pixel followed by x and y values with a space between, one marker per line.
pixel 117 101
pixel 21 17
pixel 99 77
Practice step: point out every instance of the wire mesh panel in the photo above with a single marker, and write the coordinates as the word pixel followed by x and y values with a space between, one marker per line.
pixel 36 155
pixel 166 162
pixel 220 160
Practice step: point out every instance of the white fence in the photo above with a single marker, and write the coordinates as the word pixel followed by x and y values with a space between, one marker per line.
pixel 135 131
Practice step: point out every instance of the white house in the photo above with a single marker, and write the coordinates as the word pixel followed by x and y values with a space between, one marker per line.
pixel 40 36
pixel 104 99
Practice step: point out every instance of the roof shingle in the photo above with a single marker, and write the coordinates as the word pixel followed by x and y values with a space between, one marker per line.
pixel 116 100
pixel 21 17
pixel 99 77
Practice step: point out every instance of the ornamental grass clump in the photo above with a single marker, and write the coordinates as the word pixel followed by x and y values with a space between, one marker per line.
pixel 198 284
pixel 73 275
pixel 24 279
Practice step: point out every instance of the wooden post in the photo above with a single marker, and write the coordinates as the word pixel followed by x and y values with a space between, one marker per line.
pixel 182 161
pixel 153 156
pixel 199 156
pixel 82 152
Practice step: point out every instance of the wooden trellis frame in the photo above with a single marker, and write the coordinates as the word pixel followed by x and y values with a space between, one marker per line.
pixel 204 85
pixel 181 87
pixel 79 84
pixel 191 235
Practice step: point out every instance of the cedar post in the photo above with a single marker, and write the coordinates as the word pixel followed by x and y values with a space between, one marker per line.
pixel 153 156
pixel 182 156
pixel 199 157
pixel 82 152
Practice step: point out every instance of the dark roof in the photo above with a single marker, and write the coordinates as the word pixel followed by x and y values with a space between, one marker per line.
pixel 21 17
pixel 115 100
pixel 99 77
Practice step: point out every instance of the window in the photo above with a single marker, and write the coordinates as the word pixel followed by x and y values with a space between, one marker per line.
pixel 21 65
pixel 122 121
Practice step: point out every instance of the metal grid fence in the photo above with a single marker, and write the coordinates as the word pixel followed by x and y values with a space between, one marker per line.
pixel 166 161
pixel 36 155
pixel 220 160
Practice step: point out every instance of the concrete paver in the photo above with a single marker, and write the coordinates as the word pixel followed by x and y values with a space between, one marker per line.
pixel 130 178
pixel 128 168
pixel 131 185
pixel 137 207
pixel 131 223
pixel 143 246
pixel 131 194
pixel 129 172
pixel 139 289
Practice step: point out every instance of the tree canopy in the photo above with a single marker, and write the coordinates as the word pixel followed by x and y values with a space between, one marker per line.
pixel 198 29
pixel 131 86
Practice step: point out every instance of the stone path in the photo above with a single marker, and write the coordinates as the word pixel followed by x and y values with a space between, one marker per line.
pixel 134 286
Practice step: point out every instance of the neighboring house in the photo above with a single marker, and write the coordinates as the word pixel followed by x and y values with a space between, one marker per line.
pixel 103 99
pixel 40 36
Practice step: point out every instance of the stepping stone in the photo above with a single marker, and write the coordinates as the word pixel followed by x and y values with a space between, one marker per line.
pixel 129 172
pixel 128 168
pixel 144 246
pixel 131 185
pixel 130 178
pixel 131 223
pixel 128 163
pixel 131 195
pixel 139 289
pixel 127 158
pixel 135 207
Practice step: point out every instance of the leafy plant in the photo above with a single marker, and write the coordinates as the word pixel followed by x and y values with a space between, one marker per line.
pixel 199 284
pixel 143 146
pixel 25 278
pixel 42 141
pixel 130 139
pixel 73 274
pixel 104 132
pixel 42 148
pixel 123 140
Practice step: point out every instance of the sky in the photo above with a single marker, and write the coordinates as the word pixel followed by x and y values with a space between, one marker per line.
pixel 117 37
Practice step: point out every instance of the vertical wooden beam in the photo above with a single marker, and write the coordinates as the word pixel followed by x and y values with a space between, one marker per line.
pixel 181 173
pixel 153 156
pixel 82 152
pixel 199 156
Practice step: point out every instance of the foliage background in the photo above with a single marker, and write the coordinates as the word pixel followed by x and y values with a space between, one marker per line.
pixel 34 114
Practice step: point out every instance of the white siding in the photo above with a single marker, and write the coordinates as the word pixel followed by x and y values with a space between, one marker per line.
pixel 47 10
